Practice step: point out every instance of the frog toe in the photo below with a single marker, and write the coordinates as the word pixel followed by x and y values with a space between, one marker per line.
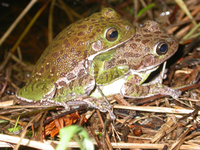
pixel 176 93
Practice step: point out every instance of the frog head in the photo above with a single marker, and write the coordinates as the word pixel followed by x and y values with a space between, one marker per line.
pixel 147 49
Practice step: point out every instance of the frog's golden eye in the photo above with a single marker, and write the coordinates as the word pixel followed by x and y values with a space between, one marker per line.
pixel 161 48
pixel 111 34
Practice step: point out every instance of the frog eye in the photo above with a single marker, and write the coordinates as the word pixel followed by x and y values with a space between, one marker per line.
pixel 111 34
pixel 161 48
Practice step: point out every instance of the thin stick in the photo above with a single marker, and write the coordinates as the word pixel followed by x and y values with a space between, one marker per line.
pixel 156 109
pixel 50 24
pixel 29 26
pixel 28 7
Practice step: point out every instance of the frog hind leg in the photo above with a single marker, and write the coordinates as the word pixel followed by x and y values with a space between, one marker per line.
pixel 147 90
pixel 77 92
pixel 37 91
pixel 80 87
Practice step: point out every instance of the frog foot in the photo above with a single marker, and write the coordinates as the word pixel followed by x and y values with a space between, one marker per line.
pixel 148 90
pixel 100 105
pixel 93 103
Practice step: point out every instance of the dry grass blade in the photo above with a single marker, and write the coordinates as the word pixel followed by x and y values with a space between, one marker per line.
pixel 28 27
pixel 185 9
pixel 7 33
pixel 25 142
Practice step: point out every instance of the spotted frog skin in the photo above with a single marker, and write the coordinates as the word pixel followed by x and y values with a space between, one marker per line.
pixel 101 50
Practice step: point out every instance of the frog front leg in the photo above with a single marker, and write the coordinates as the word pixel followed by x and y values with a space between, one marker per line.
pixel 134 88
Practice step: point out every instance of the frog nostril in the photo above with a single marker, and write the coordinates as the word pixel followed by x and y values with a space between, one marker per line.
pixel 161 48
pixel 111 34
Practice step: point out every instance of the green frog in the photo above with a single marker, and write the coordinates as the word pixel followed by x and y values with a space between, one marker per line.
pixel 99 54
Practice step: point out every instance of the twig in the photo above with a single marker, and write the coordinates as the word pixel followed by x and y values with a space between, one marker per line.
pixel 29 26
pixel 28 7
pixel 155 109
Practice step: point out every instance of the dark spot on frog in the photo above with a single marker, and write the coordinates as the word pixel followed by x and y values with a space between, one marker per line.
pixel 163 36
pixel 80 43
pixel 30 81
pixel 122 61
pixel 171 42
pixel 145 41
pixel 55 54
pixel 93 20
pixel 66 43
pixel 106 74
pixel 85 54
pixel 62 83
pixel 137 35
pixel 47 66
pixel 59 60
pixel 61 51
pixel 81 73
pixel 155 27
pixel 133 66
pixel 69 27
pixel 109 66
pixel 64 56
pixel 91 37
pixel 147 49
pixel 146 30
pixel 81 33
pixel 55 45
pixel 74 63
pixel 144 25
pixel 147 35
pixel 90 29
pixel 82 26
pixel 37 76
pixel 72 50
pixel 111 62
pixel 71 76
pixel 76 39
pixel 80 81
pixel 71 85
pixel 133 45
pixel 138 40
pixel 62 37
pixel 148 60
pixel 98 30
pixel 78 53
pixel 49 77
pixel 53 70
pixel 41 70
pixel 106 47
pixel 157 32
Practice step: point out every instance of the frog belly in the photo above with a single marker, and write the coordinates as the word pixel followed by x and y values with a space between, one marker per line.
pixel 109 89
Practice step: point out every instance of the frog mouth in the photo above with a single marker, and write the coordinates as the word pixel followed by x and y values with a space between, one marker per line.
pixel 146 70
